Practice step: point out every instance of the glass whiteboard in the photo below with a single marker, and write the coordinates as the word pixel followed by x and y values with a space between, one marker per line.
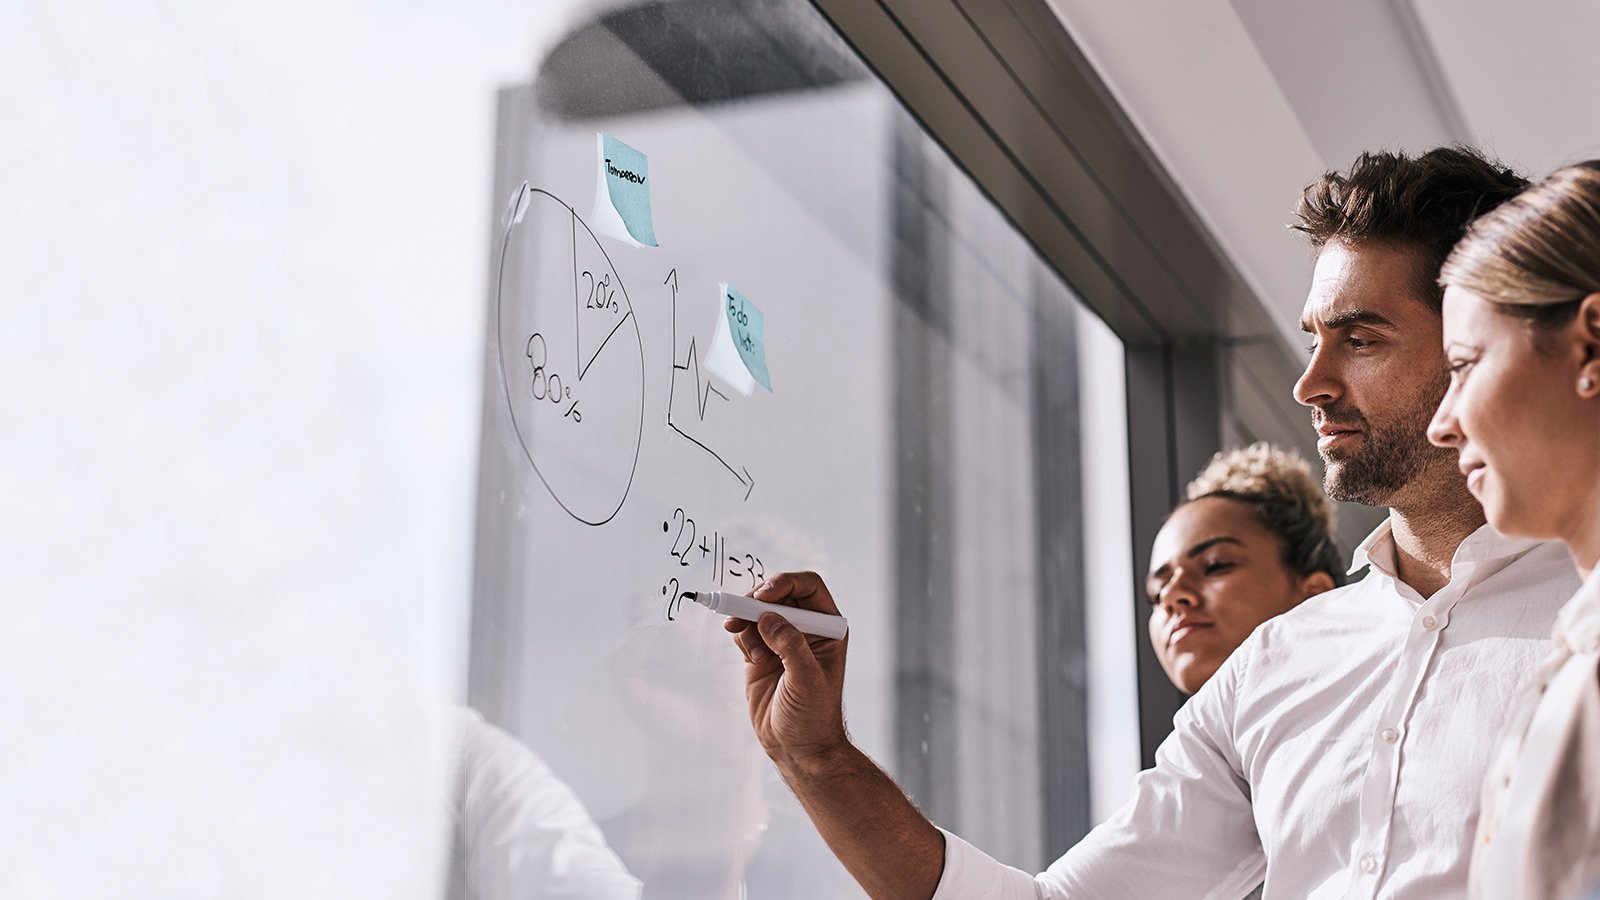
pixel 920 446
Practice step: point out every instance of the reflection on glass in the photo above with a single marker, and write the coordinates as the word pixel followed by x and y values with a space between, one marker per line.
pixel 519 833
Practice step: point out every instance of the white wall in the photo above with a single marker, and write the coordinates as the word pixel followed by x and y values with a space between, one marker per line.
pixel 1246 101
pixel 241 302
pixel 1205 101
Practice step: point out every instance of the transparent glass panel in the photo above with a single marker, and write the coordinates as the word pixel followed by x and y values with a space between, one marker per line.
pixel 923 445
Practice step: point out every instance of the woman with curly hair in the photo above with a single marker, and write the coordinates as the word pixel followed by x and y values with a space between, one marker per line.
pixel 1253 540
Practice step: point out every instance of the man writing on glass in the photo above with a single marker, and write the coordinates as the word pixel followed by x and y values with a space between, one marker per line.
pixel 1339 751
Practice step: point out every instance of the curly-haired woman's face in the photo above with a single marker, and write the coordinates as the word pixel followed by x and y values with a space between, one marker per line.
pixel 1215 574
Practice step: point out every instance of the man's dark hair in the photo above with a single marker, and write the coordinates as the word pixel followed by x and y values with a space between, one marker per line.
pixel 1423 204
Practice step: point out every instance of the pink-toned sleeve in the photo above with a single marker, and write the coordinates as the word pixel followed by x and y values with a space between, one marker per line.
pixel 1548 843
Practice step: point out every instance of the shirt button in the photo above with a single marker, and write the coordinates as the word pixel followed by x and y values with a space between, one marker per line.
pixel 1428 622
pixel 1389 735
pixel 1369 864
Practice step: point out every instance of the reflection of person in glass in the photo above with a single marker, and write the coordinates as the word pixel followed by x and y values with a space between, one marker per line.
pixel 1522 344
pixel 1253 541
pixel 699 814
pixel 702 822
pixel 519 831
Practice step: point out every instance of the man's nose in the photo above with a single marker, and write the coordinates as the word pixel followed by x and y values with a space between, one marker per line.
pixel 1318 385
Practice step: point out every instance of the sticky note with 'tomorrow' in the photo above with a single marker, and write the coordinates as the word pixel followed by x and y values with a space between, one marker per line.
pixel 622 193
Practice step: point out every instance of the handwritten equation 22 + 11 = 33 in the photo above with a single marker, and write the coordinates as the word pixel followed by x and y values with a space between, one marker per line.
pixel 710 558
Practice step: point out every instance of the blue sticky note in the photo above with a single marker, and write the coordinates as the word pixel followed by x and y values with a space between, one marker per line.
pixel 748 328
pixel 628 186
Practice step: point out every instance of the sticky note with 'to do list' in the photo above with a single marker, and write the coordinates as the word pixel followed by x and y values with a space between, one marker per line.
pixel 738 350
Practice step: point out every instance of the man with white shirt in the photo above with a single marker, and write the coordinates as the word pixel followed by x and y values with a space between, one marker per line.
pixel 1339 751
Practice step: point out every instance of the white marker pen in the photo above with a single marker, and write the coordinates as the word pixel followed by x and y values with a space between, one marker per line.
pixel 750 609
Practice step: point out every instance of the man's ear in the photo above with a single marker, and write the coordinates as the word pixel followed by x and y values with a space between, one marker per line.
pixel 1314 584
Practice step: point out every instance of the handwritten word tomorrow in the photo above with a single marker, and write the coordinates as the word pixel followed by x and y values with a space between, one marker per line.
pixel 615 172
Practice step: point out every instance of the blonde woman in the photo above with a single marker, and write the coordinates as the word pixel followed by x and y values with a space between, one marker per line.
pixel 1522 343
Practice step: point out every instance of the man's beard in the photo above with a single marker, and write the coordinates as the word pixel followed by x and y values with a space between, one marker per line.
pixel 1392 455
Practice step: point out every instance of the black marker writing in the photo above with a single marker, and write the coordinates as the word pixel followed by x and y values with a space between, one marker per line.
pixel 543 387
pixel 708 553
pixel 625 174
pixel 546 385
pixel 703 393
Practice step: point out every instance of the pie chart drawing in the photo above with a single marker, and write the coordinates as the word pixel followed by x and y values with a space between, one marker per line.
pixel 571 357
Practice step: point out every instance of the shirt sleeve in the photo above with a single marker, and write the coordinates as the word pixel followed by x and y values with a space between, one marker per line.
pixel 1188 831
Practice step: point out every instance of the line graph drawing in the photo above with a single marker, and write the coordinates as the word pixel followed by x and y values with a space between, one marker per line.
pixel 578 417
pixel 703 392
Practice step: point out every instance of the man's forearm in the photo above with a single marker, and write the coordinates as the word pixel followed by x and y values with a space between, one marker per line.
pixel 883 840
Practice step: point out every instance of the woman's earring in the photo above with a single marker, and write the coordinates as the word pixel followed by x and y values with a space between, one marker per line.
pixel 1585 383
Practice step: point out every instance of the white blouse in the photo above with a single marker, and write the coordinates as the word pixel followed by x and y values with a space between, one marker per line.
pixel 1539 829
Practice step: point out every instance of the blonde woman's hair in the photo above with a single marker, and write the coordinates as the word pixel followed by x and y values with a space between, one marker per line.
pixel 1537 255
pixel 1279 487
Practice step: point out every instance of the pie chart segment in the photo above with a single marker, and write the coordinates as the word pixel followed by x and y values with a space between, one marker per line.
pixel 571 358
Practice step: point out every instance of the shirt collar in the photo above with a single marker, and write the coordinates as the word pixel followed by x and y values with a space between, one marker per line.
pixel 1381 542
pixel 1578 625
pixel 1483 545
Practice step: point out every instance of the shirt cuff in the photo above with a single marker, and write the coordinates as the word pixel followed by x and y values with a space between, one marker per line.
pixel 971 874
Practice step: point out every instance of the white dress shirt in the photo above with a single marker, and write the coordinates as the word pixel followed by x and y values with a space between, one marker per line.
pixel 1339 752
pixel 520 832
pixel 1539 833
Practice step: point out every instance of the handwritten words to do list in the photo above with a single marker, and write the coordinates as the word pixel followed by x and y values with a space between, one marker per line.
pixel 739 350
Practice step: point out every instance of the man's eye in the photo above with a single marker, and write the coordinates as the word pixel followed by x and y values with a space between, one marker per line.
pixel 1357 343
